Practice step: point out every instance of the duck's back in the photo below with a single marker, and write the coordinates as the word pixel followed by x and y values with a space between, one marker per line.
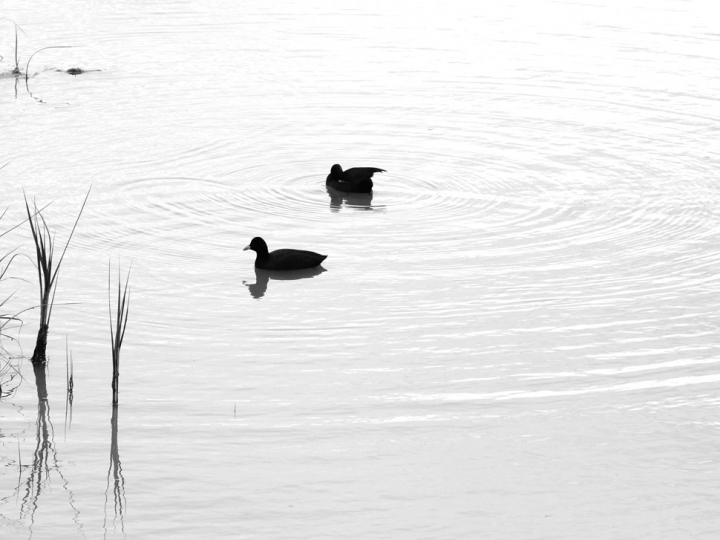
pixel 355 180
pixel 360 173
pixel 291 259
pixel 362 185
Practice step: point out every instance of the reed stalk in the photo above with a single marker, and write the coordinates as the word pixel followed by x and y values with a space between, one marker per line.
pixel 117 329
pixel 6 318
pixel 8 372
pixel 47 271
pixel 5 262
pixel 27 67
pixel 15 71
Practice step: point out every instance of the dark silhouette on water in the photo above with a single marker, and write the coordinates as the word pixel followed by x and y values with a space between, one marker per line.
pixel 355 201
pixel 77 71
pixel 262 277
pixel 283 259
pixel 355 180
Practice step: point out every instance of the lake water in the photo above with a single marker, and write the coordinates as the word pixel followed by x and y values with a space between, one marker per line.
pixel 515 336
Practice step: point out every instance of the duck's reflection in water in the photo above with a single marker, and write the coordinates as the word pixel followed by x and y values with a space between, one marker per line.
pixel 358 201
pixel 262 277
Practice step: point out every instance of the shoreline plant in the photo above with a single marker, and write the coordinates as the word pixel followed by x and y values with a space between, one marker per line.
pixel 117 330
pixel 5 262
pixel 47 272
pixel 8 371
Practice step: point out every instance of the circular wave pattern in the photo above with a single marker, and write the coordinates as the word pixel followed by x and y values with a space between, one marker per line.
pixel 448 210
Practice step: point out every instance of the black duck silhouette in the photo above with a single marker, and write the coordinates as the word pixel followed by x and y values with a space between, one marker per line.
pixel 355 180
pixel 283 259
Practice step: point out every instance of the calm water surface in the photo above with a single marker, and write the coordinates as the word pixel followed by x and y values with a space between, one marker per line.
pixel 515 336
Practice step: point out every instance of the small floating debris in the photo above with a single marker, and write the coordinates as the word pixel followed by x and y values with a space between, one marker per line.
pixel 76 71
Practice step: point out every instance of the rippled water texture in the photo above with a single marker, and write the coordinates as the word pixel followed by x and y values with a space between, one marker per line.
pixel 514 336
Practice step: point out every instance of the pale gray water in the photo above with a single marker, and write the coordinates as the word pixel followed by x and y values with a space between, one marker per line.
pixel 515 338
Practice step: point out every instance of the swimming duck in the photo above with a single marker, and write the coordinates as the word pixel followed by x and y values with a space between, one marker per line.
pixel 283 259
pixel 355 180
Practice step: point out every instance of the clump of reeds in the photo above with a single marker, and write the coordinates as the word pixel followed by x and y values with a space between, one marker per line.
pixel 117 329
pixel 5 319
pixel 5 262
pixel 7 370
pixel 47 271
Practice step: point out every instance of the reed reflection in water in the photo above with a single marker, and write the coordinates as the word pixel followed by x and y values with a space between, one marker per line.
pixel 118 480
pixel 10 377
pixel 263 277
pixel 35 480
pixel 45 459
pixel 69 386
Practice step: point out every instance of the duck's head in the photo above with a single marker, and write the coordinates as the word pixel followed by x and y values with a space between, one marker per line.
pixel 336 172
pixel 258 245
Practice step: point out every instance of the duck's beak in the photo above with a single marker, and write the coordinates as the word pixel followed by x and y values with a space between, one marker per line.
pixel 246 248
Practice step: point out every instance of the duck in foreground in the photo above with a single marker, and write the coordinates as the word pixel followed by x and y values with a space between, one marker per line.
pixel 283 259
pixel 355 180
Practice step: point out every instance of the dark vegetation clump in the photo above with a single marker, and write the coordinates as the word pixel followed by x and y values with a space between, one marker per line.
pixel 47 271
